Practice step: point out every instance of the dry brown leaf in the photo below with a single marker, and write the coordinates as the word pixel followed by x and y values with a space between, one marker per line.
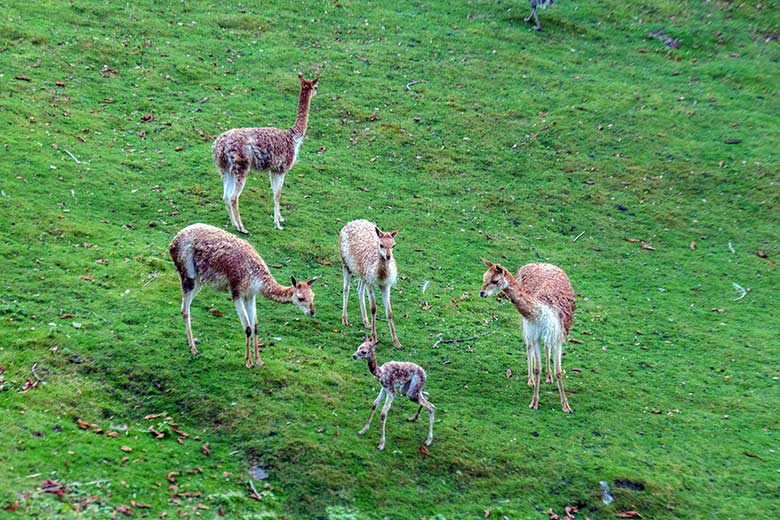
pixel 629 514
pixel 146 118
pixel 632 240
pixel 424 450
pixel 762 254
pixel 491 237
pixel 125 510
pixel 84 425
pixel 647 246
pixel 323 262
pixel 172 476
pixel 126 449
pixel 656 411
pixel 751 455
pixel 112 434
pixel 508 373
pixel 205 449
pixel 576 341
pixel 693 246
pixel 718 310
pixel 363 188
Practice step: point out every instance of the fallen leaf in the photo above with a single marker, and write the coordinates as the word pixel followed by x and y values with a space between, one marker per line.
pixel 125 510
pixel 632 240
pixel 647 246
pixel 84 424
pixel 179 148
pixel 576 341
pixel 22 78
pixel 363 188
pixel 140 505
pixel 172 476
pixel 215 312
pixel 112 434
pixel 629 514
pixel 146 118
pixel 126 449
pixel 205 449
pixel 553 516
pixel 153 416
pixel 424 450
pixel 751 455
pixel 762 254
pixel 425 305
pixel 491 237
pixel 323 262
pixel 508 373
pixel 656 411
pixel 322 149
pixel 278 266
pixel 692 246
pixel 718 309
pixel 52 486
pixel 732 141
pixel 576 370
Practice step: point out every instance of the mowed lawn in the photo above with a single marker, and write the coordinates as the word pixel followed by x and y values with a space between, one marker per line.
pixel 646 168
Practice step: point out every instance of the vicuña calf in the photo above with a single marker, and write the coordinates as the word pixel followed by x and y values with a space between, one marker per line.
pixel 206 255
pixel 395 375
pixel 367 251
pixel 264 149
pixel 543 296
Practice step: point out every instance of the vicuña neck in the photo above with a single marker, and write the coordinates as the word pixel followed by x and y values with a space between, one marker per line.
pixel 372 364
pixel 276 292
pixel 302 119
pixel 520 299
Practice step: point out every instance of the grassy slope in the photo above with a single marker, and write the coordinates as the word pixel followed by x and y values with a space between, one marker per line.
pixel 501 141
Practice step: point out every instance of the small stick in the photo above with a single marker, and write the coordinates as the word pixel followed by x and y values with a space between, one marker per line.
pixel 252 487
pixel 151 278
pixel 34 373
pixel 74 157
pixel 731 248
pixel 578 237
pixel 415 82
pixel 460 340
pixel 742 291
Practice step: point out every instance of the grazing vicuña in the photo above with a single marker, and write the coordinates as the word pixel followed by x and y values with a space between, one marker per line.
pixel 206 255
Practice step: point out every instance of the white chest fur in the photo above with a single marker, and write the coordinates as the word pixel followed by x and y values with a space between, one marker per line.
pixel 297 142
pixel 546 329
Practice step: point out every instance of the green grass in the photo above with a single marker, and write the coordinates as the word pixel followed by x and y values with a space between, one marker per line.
pixel 532 138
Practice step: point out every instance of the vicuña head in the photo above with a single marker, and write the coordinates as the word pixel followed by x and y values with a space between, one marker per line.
pixel 303 296
pixel 365 348
pixel 494 280
pixel 308 84
pixel 386 243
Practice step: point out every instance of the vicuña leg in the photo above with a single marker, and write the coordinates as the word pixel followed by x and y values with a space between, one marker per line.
pixel 548 372
pixel 277 181
pixel 528 18
pixel 559 376
pixel 251 307
pixel 431 410
pixel 244 317
pixel 362 288
pixel 529 352
pixel 347 277
pixel 383 417
pixel 389 314
pixel 538 26
pixel 373 409
pixel 189 290
pixel 372 300
pixel 228 186
pixel 537 375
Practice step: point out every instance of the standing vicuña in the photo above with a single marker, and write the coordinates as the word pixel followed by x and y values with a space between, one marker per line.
pixel 367 252
pixel 409 377
pixel 543 296
pixel 206 255
pixel 237 151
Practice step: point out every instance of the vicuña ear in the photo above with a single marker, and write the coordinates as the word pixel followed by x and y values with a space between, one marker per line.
pixel 378 231
pixel 300 75
pixel 487 262
pixel 500 270
pixel 294 282
pixel 315 80
pixel 394 233
pixel 310 282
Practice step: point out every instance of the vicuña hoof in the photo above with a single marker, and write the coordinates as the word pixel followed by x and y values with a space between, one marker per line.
pixel 380 447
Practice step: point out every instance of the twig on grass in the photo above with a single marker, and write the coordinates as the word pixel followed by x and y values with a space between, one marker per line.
pixel 578 237
pixel 34 372
pixel 74 157
pixel 460 340
pixel 415 82
pixel 731 248
pixel 742 291
pixel 151 278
